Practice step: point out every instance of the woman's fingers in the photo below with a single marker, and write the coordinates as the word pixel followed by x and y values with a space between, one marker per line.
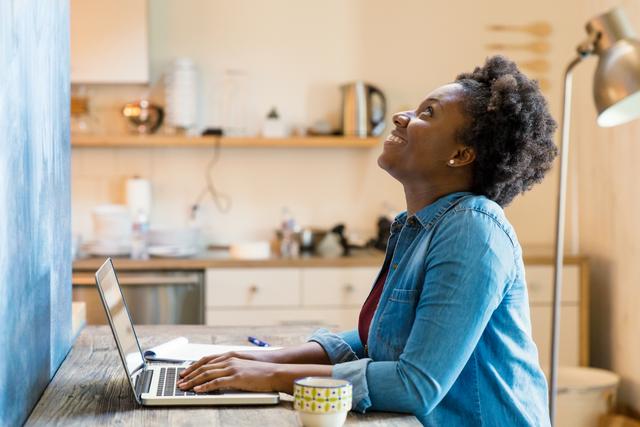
pixel 224 356
pixel 196 365
pixel 208 360
pixel 203 377
pixel 216 384
pixel 201 370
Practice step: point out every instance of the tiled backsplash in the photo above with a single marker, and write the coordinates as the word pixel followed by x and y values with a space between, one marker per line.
pixel 321 187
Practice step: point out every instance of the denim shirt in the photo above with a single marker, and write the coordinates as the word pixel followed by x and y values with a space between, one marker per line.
pixel 450 340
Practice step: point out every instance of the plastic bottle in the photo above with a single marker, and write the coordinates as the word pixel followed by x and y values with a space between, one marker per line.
pixel 289 245
pixel 140 230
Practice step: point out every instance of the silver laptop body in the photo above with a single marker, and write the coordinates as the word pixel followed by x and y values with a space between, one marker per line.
pixel 155 384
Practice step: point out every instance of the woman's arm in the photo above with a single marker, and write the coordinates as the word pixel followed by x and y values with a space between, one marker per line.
pixel 471 265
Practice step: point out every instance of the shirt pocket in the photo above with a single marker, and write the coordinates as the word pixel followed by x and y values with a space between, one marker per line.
pixel 396 321
pixel 404 296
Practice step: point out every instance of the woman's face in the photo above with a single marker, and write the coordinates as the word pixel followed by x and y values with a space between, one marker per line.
pixel 424 141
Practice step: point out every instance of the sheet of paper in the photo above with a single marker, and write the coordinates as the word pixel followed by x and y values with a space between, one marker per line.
pixel 180 350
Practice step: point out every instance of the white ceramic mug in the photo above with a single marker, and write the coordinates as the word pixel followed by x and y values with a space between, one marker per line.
pixel 322 401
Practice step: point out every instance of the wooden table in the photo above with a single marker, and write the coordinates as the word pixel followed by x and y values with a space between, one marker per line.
pixel 90 387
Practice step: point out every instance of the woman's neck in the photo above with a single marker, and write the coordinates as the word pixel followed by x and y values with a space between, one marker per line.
pixel 419 196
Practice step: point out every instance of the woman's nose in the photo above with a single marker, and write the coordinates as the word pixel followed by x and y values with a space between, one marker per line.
pixel 401 120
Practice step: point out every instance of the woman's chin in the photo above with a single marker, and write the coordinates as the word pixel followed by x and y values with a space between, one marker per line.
pixel 383 161
pixel 386 164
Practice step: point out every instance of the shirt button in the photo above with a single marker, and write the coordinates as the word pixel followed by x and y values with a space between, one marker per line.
pixel 394 266
pixel 412 221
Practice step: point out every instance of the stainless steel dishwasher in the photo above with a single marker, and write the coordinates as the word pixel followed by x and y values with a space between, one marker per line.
pixel 153 297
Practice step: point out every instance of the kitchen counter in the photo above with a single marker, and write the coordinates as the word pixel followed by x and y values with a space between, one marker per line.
pixel 221 259
pixel 90 388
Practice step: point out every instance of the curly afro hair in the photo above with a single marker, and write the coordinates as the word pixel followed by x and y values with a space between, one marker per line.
pixel 511 129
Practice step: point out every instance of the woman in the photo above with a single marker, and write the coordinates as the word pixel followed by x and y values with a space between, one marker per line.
pixel 445 333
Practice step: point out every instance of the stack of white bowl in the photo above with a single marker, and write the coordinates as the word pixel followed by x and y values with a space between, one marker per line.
pixel 181 90
pixel 174 242
pixel 111 231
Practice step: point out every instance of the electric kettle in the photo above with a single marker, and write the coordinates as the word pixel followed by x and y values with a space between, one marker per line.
pixel 363 109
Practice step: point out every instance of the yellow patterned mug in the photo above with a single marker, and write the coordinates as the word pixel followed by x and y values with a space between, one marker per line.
pixel 322 401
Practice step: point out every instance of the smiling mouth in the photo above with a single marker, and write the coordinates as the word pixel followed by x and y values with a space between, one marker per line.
pixel 394 140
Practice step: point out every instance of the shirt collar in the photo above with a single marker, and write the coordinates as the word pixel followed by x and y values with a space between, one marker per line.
pixel 426 216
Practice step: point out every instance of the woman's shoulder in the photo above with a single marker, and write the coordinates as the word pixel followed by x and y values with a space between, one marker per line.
pixel 482 212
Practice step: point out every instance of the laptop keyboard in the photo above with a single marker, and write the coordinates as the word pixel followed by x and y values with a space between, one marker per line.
pixel 167 384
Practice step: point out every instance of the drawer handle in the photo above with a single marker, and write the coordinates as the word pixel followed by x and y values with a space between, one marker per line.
pixel 253 289
pixel 349 288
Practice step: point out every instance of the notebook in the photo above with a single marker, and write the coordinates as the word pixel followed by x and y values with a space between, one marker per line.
pixel 181 350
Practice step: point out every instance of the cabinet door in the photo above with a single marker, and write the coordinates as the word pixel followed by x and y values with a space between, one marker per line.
pixel 109 41
pixel 335 319
pixel 540 283
pixel 569 334
pixel 343 287
pixel 255 287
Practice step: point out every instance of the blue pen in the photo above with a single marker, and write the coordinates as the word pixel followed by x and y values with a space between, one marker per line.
pixel 256 341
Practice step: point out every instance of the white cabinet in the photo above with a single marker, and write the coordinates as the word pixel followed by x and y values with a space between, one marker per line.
pixel 540 283
pixel 250 288
pixel 341 287
pixel 569 337
pixel 341 319
pixel 573 311
pixel 277 296
pixel 109 41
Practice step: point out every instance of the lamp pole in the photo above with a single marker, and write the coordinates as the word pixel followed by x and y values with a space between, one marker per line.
pixel 585 49
pixel 560 220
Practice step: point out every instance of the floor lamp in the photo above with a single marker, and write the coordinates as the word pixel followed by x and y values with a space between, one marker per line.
pixel 616 91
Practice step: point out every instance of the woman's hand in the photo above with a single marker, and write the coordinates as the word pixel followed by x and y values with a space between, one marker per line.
pixel 227 371
pixel 311 353
pixel 261 356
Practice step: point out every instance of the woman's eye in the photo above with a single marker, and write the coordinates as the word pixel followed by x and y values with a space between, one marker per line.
pixel 428 112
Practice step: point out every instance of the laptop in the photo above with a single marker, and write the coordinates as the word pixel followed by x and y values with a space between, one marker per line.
pixel 155 384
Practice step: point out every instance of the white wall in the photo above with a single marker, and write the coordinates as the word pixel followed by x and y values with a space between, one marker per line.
pixel 297 54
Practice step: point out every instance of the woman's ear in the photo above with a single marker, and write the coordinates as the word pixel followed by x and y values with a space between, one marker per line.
pixel 462 156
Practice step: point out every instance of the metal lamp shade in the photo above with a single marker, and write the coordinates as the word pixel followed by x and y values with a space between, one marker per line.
pixel 616 83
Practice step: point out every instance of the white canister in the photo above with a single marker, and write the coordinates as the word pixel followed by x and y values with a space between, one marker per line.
pixel 181 92
pixel 138 195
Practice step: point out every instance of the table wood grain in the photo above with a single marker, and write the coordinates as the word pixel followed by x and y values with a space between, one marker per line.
pixel 90 387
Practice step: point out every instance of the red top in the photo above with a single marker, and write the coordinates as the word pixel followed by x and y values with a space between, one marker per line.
pixel 369 307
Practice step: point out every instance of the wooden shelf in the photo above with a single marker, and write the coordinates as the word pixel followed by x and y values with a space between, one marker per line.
pixel 153 141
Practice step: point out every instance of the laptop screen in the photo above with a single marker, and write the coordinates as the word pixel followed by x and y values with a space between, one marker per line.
pixel 119 317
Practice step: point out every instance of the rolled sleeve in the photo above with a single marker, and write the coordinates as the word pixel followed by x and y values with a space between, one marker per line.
pixel 353 339
pixel 338 350
pixel 344 351
pixel 356 373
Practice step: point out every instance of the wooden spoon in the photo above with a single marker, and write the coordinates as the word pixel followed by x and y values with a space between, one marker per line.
pixel 536 47
pixel 536 65
pixel 538 29
pixel 544 84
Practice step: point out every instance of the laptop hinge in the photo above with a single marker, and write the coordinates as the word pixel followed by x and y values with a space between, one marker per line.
pixel 143 381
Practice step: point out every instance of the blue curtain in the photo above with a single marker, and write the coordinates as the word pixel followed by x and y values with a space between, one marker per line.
pixel 35 262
